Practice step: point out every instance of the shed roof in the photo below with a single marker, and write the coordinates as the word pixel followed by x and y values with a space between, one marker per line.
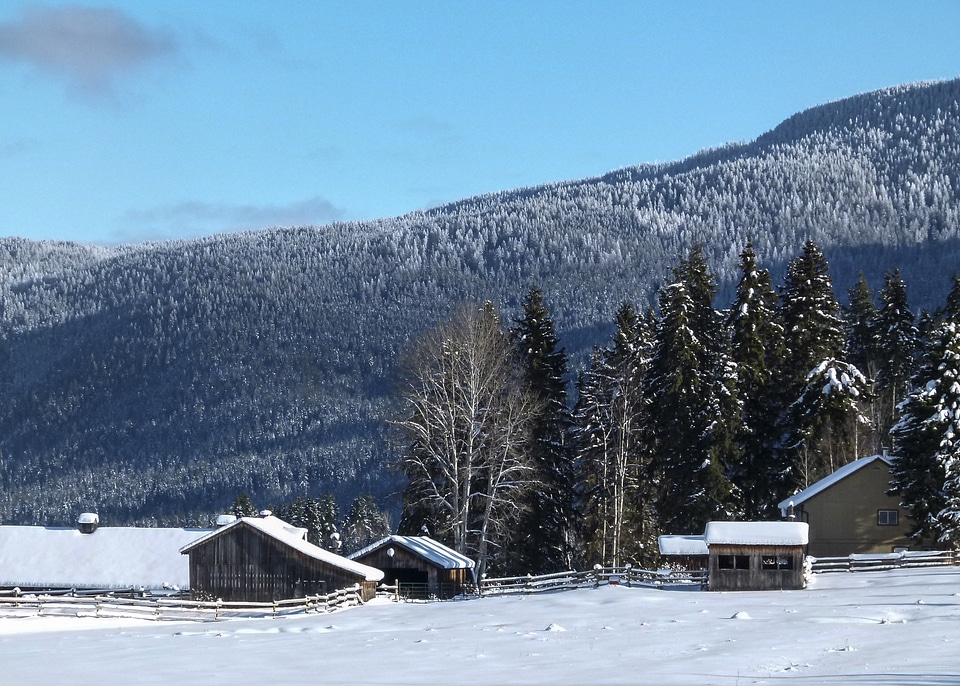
pixel 294 537
pixel 110 558
pixel 682 545
pixel 423 546
pixel 828 481
pixel 756 533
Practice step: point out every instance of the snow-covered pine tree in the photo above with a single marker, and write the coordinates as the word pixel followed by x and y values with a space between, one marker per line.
pixel 813 335
pixel 363 525
pixel 757 343
pixel 542 541
pixel 897 337
pixel 860 326
pixel 927 441
pixel 615 515
pixel 691 393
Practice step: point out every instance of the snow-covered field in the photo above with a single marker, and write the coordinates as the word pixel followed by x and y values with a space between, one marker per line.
pixel 899 627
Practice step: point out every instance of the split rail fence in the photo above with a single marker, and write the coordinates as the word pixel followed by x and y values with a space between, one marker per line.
pixel 13 604
pixel 866 562
pixel 592 578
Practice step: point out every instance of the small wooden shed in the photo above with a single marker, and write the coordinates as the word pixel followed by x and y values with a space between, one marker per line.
pixel 684 552
pixel 262 559
pixel 424 566
pixel 756 556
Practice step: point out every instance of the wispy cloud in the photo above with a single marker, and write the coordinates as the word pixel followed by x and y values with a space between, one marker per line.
pixel 196 218
pixel 86 47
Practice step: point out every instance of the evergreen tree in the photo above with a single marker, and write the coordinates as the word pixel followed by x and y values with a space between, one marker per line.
pixel 897 337
pixel 757 342
pixel 813 336
pixel 615 514
pixel 692 403
pixel 927 441
pixel 542 540
pixel 860 324
pixel 243 506
pixel 363 525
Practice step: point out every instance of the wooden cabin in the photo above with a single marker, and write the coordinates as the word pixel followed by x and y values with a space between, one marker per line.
pixel 262 559
pixel 424 566
pixel 684 552
pixel 756 556
pixel 850 511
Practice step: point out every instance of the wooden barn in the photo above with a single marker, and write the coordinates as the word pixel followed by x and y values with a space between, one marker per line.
pixel 756 556
pixel 425 567
pixel 262 559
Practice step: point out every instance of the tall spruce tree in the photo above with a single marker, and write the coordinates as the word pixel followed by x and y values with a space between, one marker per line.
pixel 614 514
pixel 757 343
pixel 860 325
pixel 897 339
pixel 813 337
pixel 693 407
pixel 363 525
pixel 544 538
pixel 926 473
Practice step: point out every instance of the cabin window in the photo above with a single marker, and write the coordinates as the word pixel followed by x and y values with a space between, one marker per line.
pixel 776 562
pixel 888 517
pixel 733 562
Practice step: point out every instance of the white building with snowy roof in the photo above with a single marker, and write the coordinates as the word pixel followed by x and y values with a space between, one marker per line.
pixel 421 566
pixel 94 558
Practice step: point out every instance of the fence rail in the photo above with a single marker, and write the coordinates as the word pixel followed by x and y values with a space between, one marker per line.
pixel 865 562
pixel 591 578
pixel 169 608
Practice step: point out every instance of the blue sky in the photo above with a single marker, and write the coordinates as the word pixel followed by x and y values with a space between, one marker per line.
pixel 129 121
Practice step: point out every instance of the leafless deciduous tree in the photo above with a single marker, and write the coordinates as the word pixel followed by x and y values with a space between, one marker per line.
pixel 466 428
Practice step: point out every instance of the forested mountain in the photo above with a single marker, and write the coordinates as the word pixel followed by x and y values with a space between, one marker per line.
pixel 155 382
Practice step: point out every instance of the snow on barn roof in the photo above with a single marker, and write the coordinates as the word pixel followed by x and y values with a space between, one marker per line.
pixel 828 481
pixel 424 546
pixel 294 537
pixel 682 545
pixel 110 558
pixel 756 533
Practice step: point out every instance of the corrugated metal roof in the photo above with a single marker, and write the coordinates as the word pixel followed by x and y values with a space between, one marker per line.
pixel 109 558
pixel 294 537
pixel 424 546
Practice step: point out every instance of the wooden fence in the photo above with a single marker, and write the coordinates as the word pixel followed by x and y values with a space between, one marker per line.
pixel 866 562
pixel 14 605
pixel 592 578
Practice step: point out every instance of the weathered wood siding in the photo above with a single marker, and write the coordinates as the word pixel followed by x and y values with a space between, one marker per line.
pixel 244 564
pixel 748 572
pixel 441 582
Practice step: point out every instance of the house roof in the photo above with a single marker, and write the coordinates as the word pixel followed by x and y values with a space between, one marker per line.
pixel 424 546
pixel 295 538
pixel 682 545
pixel 110 558
pixel 828 481
pixel 756 533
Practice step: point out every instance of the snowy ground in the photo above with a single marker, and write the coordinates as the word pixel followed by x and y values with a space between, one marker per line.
pixel 900 627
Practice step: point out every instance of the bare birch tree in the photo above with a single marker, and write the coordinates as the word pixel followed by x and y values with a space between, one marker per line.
pixel 466 428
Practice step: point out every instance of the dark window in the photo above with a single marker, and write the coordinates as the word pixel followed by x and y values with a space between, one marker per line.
pixel 888 517
pixel 774 562
pixel 733 562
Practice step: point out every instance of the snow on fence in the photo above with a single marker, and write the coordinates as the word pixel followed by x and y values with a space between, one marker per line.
pixel 17 605
pixel 865 562
pixel 591 578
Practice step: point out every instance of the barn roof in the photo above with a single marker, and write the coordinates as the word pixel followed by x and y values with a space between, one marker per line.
pixel 295 538
pixel 682 545
pixel 423 546
pixel 828 481
pixel 756 533
pixel 110 558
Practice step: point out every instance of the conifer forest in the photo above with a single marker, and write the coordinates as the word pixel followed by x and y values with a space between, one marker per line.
pixel 545 377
